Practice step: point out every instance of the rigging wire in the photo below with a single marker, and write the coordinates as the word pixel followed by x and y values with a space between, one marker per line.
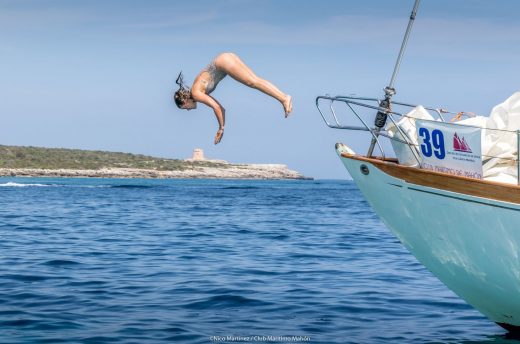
pixel 381 116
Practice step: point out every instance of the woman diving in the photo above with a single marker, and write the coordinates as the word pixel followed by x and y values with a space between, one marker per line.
pixel 207 80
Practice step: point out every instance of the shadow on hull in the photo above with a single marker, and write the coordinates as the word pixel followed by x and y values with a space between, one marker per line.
pixel 514 331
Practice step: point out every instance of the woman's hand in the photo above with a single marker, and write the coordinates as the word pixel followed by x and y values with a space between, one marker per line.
pixel 219 111
pixel 219 135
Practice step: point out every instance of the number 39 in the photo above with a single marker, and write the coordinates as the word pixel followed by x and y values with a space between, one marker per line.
pixel 436 139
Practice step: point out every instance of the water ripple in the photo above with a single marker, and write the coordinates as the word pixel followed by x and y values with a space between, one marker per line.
pixel 167 261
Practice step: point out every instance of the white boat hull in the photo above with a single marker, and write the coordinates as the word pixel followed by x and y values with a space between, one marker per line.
pixel 470 243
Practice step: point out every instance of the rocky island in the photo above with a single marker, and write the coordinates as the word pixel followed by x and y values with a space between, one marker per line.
pixel 60 162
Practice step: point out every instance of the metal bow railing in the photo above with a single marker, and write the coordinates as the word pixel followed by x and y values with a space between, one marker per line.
pixel 364 109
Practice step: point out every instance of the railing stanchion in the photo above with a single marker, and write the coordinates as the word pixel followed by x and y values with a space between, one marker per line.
pixel 518 157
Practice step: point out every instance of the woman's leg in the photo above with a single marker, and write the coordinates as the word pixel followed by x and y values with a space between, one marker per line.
pixel 238 70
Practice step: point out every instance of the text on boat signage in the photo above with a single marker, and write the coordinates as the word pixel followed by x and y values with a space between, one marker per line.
pixel 450 148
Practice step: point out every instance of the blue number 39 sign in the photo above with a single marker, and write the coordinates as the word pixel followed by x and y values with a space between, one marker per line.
pixel 432 143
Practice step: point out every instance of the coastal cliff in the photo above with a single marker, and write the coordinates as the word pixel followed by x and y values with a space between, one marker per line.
pixel 60 162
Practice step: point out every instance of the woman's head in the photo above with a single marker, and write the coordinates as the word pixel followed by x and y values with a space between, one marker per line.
pixel 182 96
pixel 183 99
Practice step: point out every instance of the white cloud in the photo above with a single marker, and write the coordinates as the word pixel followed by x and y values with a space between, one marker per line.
pixel 429 34
pixel 334 30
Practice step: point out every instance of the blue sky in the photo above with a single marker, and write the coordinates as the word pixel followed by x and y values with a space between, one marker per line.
pixel 99 74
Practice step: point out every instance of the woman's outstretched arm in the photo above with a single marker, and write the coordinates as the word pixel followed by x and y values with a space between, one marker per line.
pixel 218 109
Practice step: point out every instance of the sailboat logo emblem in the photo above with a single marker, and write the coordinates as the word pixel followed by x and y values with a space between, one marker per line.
pixel 460 144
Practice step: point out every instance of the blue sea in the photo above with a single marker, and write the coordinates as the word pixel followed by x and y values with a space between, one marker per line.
pixel 214 261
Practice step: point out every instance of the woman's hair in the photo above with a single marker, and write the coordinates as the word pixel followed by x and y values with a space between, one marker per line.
pixel 183 93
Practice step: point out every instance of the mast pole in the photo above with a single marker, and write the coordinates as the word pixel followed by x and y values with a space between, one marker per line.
pixel 381 116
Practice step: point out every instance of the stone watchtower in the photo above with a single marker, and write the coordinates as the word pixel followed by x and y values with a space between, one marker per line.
pixel 198 154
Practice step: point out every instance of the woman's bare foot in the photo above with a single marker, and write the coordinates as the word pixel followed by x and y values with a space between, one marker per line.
pixel 287 105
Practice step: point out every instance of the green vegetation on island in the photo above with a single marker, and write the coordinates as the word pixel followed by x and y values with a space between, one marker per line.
pixel 76 159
